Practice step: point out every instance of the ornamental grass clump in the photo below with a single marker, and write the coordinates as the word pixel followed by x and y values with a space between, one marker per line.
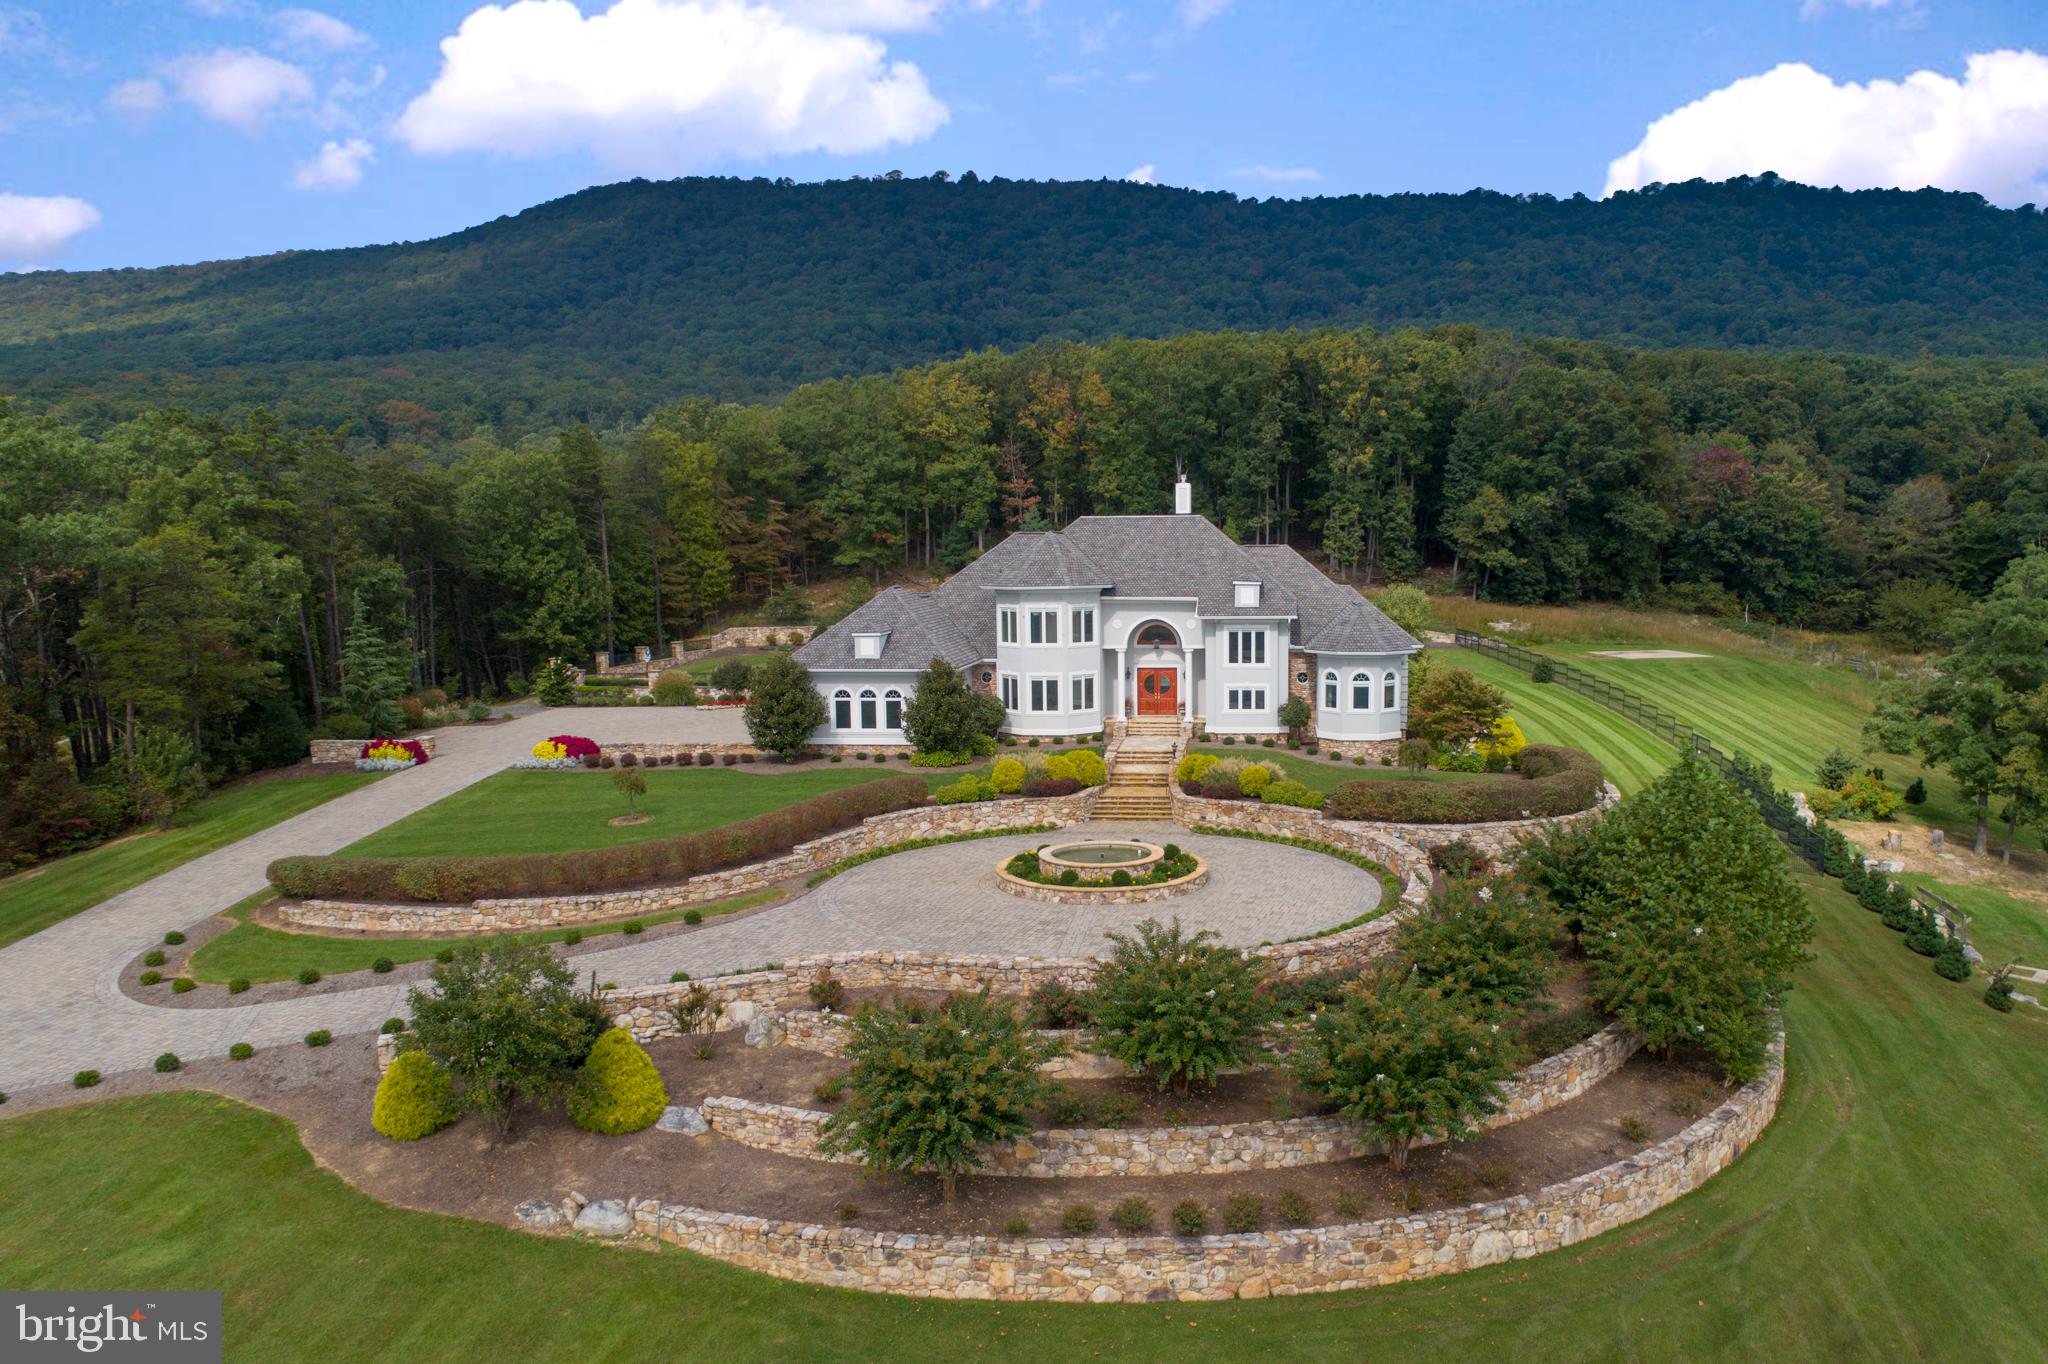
pixel 618 1089
pixel 1180 1007
pixel 930 1096
pixel 1407 1060
pixel 414 1099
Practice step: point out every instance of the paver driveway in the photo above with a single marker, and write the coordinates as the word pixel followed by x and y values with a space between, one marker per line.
pixel 61 1008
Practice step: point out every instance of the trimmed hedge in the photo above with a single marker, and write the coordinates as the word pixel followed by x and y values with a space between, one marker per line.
pixel 431 880
pixel 1555 781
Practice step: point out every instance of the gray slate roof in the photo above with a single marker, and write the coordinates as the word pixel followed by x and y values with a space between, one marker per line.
pixel 1127 556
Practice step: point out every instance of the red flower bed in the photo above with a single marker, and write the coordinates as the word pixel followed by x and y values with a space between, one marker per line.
pixel 411 746
pixel 574 745
pixel 723 701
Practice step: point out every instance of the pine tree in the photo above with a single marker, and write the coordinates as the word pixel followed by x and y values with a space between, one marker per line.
pixel 371 680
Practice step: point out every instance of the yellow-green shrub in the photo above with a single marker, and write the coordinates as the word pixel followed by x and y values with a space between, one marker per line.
pixel 414 1099
pixel 1252 780
pixel 1085 766
pixel 1194 767
pixel 1502 743
pixel 1007 776
pixel 1060 767
pixel 618 1090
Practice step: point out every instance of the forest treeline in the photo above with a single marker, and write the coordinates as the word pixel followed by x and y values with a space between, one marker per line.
pixel 228 582
pixel 600 306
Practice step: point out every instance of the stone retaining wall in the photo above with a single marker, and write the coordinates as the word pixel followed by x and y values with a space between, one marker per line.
pixel 1101 892
pixel 806 859
pixel 1382 842
pixel 1200 1149
pixel 1253 1265
pixel 348 750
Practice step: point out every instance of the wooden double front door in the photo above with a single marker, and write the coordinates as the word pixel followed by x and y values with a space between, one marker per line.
pixel 1156 695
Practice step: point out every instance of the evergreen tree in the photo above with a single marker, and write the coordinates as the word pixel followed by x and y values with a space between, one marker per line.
pixel 784 707
pixel 371 681
pixel 945 715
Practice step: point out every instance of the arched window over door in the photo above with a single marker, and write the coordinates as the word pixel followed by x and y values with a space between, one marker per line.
pixel 842 709
pixel 1361 691
pixel 1330 691
pixel 1157 634
pixel 1389 702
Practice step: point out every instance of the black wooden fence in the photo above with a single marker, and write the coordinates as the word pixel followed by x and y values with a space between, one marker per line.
pixel 1752 777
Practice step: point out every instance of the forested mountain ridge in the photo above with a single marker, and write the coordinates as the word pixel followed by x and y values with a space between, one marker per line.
pixel 603 305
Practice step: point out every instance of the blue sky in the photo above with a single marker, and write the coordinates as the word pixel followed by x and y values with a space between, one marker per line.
pixel 147 132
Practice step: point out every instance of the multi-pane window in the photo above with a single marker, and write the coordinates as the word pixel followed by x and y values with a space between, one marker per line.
pixel 1361 691
pixel 1009 693
pixel 867 708
pixel 1390 703
pixel 1007 625
pixel 1045 693
pixel 1247 698
pixel 1329 691
pixel 842 709
pixel 1083 623
pixel 1044 626
pixel 1083 692
pixel 892 709
pixel 1247 646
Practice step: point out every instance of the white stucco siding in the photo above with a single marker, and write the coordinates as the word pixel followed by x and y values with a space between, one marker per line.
pixel 1046 663
pixel 1259 675
pixel 847 696
pixel 1360 678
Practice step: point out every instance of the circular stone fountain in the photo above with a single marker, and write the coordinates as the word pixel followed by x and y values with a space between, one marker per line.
pixel 1094 863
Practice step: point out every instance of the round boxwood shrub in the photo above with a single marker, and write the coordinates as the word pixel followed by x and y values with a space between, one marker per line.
pixel 383 966
pixel 618 1090
pixel 392 1025
pixel 632 926
pixel 241 1051
pixel 184 985
pixel 1079 1219
pixel 572 937
pixel 173 938
pixel 309 976
pixel 445 955
pixel 153 957
pixel 149 977
pixel 693 917
pixel 319 1037
pixel 237 985
pixel 414 1099
pixel 85 1079
pixel 167 1063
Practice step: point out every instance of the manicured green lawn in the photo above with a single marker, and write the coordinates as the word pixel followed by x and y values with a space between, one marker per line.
pixel 1549 714
pixel 35 899
pixel 521 812
pixel 700 669
pixel 2003 927
pixel 1321 774
pixel 256 954
pixel 1895 1210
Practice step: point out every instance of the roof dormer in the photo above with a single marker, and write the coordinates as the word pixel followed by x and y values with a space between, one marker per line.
pixel 870 644
pixel 1245 595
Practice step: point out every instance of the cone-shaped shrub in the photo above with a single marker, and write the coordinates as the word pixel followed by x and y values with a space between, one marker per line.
pixel 414 1099
pixel 619 1090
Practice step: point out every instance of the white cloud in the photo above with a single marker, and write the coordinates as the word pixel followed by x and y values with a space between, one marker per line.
pixel 339 166
pixel 309 28
pixel 22 31
pixel 664 85
pixel 32 226
pixel 1279 175
pixel 1146 174
pixel 238 87
pixel 223 9
pixel 867 16
pixel 1813 9
pixel 136 97
pixel 1195 13
pixel 1987 132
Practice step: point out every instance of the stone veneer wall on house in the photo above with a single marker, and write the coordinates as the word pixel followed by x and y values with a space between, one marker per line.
pixel 547 911
pixel 1200 1149
pixel 1252 1265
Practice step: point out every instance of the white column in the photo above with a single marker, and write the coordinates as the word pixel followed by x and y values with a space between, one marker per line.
pixel 1116 687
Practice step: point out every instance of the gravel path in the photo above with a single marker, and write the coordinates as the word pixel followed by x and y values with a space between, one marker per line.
pixel 61 1008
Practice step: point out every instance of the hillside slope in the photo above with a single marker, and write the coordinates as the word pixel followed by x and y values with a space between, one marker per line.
pixel 603 303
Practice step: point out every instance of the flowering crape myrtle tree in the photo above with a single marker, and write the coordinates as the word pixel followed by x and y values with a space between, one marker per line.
pixel 1407 1059
pixel 929 1095
pixel 1180 1007
pixel 1692 921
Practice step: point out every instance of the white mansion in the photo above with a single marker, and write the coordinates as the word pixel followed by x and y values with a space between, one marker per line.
pixel 1120 616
